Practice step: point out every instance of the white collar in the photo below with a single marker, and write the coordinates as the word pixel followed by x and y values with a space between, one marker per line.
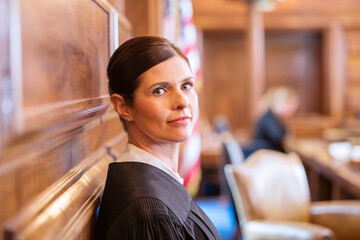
pixel 135 154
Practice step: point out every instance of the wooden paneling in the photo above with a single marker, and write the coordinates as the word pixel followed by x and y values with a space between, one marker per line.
pixel 225 85
pixel 66 209
pixel 320 60
pixel 69 58
pixel 32 166
pixel 291 58
pixel 137 13
pixel 294 14
pixel 295 59
pixel 119 5
pixel 125 29
pixel 352 98
pixel 146 16
pixel 56 144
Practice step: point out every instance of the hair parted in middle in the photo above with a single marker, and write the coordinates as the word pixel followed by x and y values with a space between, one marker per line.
pixel 133 58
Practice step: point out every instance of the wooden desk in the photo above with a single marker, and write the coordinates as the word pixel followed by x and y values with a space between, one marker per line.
pixel 329 179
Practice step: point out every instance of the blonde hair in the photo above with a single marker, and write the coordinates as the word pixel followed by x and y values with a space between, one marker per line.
pixel 275 96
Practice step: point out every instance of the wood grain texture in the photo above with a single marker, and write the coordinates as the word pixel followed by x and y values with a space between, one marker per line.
pixel 52 171
pixel 340 175
pixel 146 16
pixel 137 13
pixel 119 5
pixel 37 163
pixel 352 97
pixel 226 87
pixel 294 59
pixel 125 29
pixel 69 58
pixel 67 208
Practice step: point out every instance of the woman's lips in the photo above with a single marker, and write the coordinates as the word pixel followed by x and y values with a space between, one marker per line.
pixel 180 120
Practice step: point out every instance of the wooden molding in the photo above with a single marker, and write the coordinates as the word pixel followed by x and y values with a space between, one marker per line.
pixel 64 209
pixel 53 120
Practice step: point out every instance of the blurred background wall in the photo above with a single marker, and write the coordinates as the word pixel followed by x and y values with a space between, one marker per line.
pixel 308 45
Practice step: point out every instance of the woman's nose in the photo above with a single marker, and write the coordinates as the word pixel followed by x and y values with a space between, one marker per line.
pixel 180 100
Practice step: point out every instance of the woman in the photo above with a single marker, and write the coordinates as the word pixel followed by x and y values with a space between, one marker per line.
pixel 152 89
pixel 276 106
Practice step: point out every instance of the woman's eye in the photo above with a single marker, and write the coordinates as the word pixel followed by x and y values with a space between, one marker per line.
pixel 159 91
pixel 186 86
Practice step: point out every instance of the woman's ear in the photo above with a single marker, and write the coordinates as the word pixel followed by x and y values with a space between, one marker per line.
pixel 121 107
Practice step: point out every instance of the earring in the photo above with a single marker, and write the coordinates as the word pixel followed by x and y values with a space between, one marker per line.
pixel 126 118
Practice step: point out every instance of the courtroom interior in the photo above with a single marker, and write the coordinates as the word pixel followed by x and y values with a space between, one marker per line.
pixel 275 151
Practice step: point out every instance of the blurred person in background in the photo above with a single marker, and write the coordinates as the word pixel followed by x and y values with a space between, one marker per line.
pixel 276 106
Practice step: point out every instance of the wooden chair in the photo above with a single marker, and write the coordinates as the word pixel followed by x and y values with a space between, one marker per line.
pixel 272 198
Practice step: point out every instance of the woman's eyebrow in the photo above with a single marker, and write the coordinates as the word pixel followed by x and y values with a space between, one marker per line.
pixel 188 78
pixel 165 84
pixel 161 84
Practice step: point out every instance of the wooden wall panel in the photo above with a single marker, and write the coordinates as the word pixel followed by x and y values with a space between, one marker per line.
pixel 352 98
pixel 335 95
pixel 29 169
pixel 292 58
pixel 146 16
pixel 125 29
pixel 55 159
pixel 295 59
pixel 69 59
pixel 225 85
pixel 294 14
pixel 137 13
pixel 119 5
pixel 65 210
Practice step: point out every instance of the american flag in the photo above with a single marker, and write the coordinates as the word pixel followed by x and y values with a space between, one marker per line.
pixel 180 28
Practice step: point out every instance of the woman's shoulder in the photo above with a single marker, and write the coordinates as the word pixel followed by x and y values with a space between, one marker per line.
pixel 129 181
pixel 147 208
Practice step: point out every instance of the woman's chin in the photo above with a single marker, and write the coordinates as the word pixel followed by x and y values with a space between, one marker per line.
pixel 182 137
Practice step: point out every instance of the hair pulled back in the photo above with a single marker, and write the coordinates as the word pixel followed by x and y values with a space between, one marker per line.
pixel 135 57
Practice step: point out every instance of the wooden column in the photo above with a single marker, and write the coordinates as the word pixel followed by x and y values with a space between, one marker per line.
pixel 146 16
pixel 335 74
pixel 256 55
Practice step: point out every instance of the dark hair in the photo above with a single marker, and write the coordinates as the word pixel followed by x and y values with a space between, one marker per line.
pixel 135 57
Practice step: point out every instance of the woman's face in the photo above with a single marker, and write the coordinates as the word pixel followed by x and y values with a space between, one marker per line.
pixel 165 103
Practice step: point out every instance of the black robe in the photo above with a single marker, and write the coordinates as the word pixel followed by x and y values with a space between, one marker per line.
pixel 269 134
pixel 143 202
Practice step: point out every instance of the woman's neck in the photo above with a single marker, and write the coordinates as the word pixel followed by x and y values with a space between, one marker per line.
pixel 168 153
